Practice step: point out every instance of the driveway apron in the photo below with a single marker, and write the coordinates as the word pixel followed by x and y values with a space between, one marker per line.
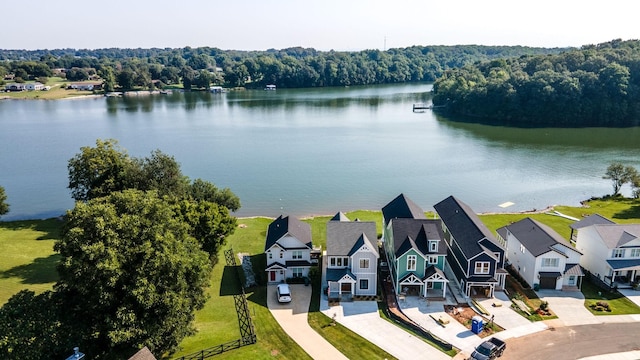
pixel 292 317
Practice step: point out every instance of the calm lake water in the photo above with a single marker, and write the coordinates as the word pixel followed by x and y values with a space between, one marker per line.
pixel 310 151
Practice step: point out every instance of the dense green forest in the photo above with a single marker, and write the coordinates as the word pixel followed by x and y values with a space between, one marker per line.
pixel 288 68
pixel 596 85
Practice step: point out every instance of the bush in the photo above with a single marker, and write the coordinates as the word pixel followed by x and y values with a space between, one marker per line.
pixel 544 306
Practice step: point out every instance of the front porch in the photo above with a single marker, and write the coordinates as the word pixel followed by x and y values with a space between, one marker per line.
pixel 623 274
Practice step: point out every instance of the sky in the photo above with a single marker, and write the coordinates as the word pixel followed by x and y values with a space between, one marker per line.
pixel 341 25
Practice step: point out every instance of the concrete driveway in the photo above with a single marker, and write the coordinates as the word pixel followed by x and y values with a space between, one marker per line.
pixel 631 294
pixel 363 318
pixel 292 317
pixel 569 307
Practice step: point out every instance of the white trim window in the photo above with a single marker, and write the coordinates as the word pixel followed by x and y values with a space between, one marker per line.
pixel 411 262
pixel 523 249
pixel 482 267
pixel 364 284
pixel 618 253
pixel 433 246
pixel 270 254
pixel 635 253
pixel 550 262
pixel 296 254
pixel 364 263
pixel 433 260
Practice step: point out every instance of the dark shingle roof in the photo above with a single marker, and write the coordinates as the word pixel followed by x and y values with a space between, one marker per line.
pixel 538 238
pixel 340 217
pixel 402 208
pixel 342 236
pixel 415 233
pixel 465 226
pixel 288 225
pixel 595 219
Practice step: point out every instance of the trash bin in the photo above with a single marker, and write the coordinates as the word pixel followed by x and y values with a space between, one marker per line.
pixel 306 281
pixel 536 287
pixel 476 324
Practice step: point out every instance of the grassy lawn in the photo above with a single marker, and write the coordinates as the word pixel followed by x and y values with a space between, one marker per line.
pixel 27 260
pixel 618 303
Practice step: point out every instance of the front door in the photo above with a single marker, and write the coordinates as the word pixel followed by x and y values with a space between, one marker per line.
pixel 572 280
pixel 272 276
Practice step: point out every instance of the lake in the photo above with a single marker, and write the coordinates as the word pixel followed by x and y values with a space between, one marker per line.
pixel 310 151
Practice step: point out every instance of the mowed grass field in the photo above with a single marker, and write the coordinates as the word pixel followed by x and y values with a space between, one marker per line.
pixel 27 261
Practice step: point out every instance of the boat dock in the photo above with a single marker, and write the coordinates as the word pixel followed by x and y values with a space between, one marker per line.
pixel 422 106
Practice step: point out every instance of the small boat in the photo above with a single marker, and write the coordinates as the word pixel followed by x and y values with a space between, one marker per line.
pixel 270 87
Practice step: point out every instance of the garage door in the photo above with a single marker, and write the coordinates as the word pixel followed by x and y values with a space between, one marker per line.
pixel 547 283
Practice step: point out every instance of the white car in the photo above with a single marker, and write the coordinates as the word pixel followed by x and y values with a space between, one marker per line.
pixel 284 293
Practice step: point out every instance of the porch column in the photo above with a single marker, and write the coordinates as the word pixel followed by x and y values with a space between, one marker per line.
pixel 444 289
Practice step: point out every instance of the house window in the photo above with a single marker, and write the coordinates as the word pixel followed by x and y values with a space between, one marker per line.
pixel 345 261
pixel 433 246
pixel 411 263
pixel 364 284
pixel 296 255
pixel 342 261
pixel 522 249
pixel 433 259
pixel 364 263
pixel 497 256
pixel 332 261
pixel 550 262
pixel 297 272
pixel 270 255
pixel 281 254
pixel 635 252
pixel 618 253
pixel 482 267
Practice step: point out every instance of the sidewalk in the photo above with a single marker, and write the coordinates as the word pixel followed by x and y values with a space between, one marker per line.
pixel 631 355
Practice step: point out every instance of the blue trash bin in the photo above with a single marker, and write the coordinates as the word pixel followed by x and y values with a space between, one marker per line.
pixel 477 324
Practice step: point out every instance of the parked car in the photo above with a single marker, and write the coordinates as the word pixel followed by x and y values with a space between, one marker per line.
pixel 489 350
pixel 284 293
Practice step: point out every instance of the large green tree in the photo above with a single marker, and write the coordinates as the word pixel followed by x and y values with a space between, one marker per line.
pixel 131 273
pixel 98 171
pixel 4 206
pixel 620 175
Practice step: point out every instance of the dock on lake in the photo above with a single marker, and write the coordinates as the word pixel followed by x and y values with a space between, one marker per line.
pixel 422 106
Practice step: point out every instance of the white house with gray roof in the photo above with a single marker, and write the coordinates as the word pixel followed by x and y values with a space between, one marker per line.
pixel 611 252
pixel 352 258
pixel 594 219
pixel 541 256
pixel 288 249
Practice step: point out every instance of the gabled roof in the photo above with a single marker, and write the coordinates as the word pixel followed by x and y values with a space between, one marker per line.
pixel 364 240
pixel 415 234
pixel 615 235
pixel 340 217
pixel 143 354
pixel 465 226
pixel 536 237
pixel 288 225
pixel 595 219
pixel 402 208
pixel 431 271
pixel 343 236
pixel 337 274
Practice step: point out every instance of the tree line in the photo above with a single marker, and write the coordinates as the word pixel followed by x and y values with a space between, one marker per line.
pixel 288 68
pixel 136 254
pixel 596 85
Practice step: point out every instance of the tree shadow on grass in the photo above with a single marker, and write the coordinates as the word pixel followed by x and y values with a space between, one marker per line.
pixel 633 212
pixel 230 283
pixel 50 227
pixel 41 271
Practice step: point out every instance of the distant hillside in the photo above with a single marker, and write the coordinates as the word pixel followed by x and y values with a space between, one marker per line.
pixel 288 68
pixel 596 85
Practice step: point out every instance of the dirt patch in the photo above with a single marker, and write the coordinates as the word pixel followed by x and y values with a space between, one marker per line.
pixel 464 314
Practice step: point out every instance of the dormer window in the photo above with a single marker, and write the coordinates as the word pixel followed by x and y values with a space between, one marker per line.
pixel 618 253
pixel 433 246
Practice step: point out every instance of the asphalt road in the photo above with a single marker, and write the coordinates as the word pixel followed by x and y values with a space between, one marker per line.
pixel 575 342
